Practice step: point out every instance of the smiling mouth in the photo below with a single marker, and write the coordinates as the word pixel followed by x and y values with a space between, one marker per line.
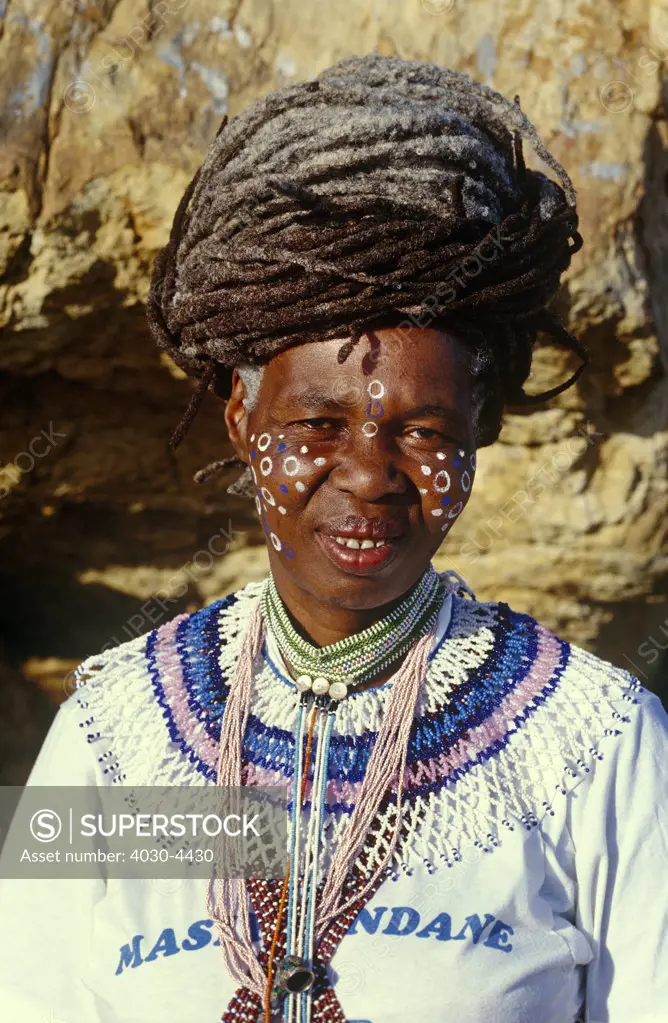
pixel 359 556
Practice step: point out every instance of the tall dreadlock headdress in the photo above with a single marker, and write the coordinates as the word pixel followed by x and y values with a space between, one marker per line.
pixel 382 192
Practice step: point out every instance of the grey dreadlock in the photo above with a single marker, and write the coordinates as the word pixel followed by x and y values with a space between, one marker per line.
pixel 348 202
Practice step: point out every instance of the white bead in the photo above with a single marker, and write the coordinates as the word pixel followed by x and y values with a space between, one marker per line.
pixel 338 690
pixel 320 685
pixel 303 683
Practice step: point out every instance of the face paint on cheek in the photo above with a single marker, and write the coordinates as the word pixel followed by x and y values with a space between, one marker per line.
pixel 274 469
pixel 443 480
pixel 263 493
pixel 465 482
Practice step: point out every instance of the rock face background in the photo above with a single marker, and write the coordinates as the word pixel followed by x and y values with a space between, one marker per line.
pixel 106 109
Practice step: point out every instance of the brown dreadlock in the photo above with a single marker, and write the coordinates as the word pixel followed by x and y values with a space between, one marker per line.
pixel 353 201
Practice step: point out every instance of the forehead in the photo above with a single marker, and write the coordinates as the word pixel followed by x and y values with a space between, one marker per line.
pixel 412 363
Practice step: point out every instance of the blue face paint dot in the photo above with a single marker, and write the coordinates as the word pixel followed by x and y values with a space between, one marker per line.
pixel 253 453
pixel 283 488
pixel 458 461
pixel 445 500
pixel 281 447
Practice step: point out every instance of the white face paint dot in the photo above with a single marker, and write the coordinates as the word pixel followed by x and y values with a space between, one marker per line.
pixel 369 429
pixel 423 490
pixel 446 525
pixel 426 470
pixel 263 441
pixel 375 389
pixel 466 481
pixel 268 496
pixel 300 486
pixel 455 510
pixel 258 505
pixel 440 454
pixel 461 453
pixel 281 436
pixel 319 461
pixel 290 465
pixel 253 473
pixel 303 449
pixel 275 541
pixel 437 511
pixel 266 465
pixel 281 509
pixel 252 437
pixel 442 481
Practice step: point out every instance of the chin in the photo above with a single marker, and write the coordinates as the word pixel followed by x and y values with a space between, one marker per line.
pixel 357 592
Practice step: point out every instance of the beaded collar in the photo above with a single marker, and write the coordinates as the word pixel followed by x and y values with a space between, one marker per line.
pixel 500 688
pixel 336 668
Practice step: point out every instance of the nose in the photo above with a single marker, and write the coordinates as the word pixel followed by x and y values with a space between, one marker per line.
pixel 368 470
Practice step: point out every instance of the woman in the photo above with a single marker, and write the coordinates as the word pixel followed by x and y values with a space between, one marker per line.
pixel 477 808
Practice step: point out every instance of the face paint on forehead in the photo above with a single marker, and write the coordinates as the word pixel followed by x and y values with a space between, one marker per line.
pixel 374 407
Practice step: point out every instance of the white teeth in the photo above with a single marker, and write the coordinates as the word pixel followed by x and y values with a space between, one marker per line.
pixel 344 541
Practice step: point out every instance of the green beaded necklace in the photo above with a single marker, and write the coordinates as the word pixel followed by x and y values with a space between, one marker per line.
pixel 334 669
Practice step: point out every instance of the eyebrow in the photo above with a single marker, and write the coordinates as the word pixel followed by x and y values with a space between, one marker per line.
pixel 438 411
pixel 314 400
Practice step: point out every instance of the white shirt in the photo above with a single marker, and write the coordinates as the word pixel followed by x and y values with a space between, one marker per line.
pixel 566 918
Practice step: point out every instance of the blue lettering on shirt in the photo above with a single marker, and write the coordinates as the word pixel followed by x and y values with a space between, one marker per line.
pixel 396 921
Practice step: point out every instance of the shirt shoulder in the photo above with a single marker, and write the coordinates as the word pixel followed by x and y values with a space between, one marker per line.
pixel 134 701
pixel 522 709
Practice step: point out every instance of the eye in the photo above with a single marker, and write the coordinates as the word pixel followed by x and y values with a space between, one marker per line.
pixel 318 423
pixel 429 435
pixel 423 432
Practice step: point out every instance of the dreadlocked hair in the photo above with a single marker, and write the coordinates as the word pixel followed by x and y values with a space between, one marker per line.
pixel 360 199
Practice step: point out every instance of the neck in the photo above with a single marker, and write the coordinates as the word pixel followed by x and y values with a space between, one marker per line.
pixel 324 624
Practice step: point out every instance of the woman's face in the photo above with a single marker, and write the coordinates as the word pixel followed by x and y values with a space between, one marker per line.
pixel 360 469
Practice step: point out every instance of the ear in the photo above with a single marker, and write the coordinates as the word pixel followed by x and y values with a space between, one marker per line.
pixel 236 417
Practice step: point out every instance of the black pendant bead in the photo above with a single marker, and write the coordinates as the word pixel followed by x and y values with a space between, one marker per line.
pixel 293 975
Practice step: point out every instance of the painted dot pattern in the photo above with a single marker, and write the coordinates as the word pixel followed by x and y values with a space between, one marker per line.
pixel 374 408
pixel 442 481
